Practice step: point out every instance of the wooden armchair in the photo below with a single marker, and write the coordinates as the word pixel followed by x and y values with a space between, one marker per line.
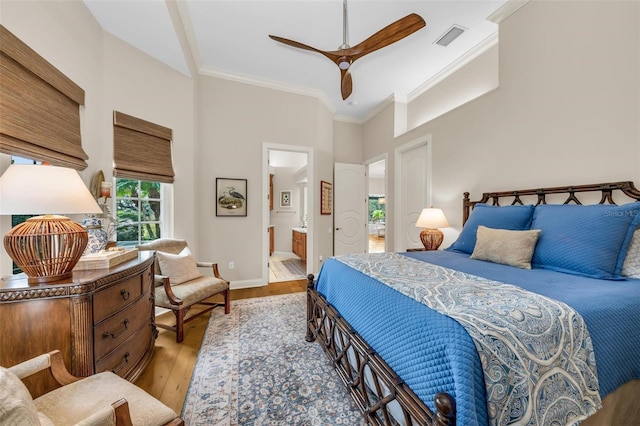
pixel 180 285
pixel 102 399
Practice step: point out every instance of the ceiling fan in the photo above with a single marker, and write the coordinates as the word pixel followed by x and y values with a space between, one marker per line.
pixel 347 55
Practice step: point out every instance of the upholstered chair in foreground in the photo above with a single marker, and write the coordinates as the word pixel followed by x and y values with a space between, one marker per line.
pixel 101 399
pixel 180 285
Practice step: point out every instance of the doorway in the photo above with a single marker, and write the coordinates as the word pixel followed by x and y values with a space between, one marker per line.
pixel 377 203
pixel 288 215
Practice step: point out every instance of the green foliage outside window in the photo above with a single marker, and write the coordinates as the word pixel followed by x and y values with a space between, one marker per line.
pixel 138 208
pixel 377 211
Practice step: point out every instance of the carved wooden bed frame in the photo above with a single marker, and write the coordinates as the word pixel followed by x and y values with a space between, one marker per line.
pixel 337 337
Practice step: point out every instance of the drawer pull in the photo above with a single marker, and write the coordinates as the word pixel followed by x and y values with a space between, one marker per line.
pixel 125 294
pixel 125 361
pixel 117 333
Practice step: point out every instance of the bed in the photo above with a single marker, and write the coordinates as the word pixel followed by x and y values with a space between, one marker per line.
pixel 530 317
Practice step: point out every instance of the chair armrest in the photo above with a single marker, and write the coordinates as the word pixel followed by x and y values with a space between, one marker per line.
pixel 116 413
pixel 159 279
pixel 214 268
pixel 52 360
pixel 175 300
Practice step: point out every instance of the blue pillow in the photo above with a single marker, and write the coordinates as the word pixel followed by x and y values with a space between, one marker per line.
pixel 513 218
pixel 584 240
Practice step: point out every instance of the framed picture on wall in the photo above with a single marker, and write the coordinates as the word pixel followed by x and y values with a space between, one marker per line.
pixel 285 198
pixel 326 197
pixel 231 197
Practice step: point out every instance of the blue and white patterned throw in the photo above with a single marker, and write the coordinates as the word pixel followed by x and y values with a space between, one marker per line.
pixel 536 352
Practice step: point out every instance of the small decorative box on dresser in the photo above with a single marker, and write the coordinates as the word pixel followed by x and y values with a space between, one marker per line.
pixel 102 319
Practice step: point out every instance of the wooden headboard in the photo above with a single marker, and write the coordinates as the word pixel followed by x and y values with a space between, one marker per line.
pixel 514 197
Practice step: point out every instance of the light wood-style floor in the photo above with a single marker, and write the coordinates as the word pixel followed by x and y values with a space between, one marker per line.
pixel 168 375
pixel 376 244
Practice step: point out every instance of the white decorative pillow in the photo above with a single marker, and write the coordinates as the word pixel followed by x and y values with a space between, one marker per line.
pixel 179 267
pixel 631 266
pixel 514 248
pixel 16 404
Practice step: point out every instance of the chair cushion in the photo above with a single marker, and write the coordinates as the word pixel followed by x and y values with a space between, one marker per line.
pixel 179 267
pixel 16 404
pixel 191 292
pixel 72 403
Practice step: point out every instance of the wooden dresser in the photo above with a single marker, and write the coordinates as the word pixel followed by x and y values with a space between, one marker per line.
pixel 100 320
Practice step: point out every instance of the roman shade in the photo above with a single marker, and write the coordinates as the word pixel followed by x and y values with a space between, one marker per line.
pixel 39 107
pixel 141 149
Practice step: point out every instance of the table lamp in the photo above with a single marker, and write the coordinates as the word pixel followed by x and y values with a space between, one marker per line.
pixel 432 219
pixel 45 247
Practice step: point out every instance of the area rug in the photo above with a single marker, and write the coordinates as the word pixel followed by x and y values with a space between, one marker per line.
pixel 288 269
pixel 255 368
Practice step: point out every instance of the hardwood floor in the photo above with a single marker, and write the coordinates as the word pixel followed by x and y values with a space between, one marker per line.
pixel 168 375
pixel 376 244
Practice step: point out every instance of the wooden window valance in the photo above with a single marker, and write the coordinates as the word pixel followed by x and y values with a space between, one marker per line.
pixel 39 107
pixel 141 150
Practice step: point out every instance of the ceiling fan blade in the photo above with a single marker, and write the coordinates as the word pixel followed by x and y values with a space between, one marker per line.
pixel 330 55
pixel 346 85
pixel 396 31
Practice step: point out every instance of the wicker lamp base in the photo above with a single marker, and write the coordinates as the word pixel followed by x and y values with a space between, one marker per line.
pixel 46 248
pixel 431 238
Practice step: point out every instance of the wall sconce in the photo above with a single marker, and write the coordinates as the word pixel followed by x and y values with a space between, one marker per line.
pixel 432 219
pixel 45 247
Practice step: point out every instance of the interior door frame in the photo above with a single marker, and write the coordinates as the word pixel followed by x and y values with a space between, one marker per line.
pixel 381 157
pixel 311 203
pixel 399 152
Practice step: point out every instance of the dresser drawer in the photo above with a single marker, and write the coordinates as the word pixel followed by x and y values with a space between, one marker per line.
pixel 116 297
pixel 116 329
pixel 122 360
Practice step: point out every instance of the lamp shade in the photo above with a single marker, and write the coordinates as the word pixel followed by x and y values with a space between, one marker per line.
pixel 432 219
pixel 45 247
pixel 40 189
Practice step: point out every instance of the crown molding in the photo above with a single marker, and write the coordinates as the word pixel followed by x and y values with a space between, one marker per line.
pixel 506 10
pixel 463 60
pixel 269 84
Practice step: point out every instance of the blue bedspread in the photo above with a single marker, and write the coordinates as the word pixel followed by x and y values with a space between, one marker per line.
pixel 442 357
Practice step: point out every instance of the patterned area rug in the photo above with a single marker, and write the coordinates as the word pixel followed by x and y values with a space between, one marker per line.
pixel 255 368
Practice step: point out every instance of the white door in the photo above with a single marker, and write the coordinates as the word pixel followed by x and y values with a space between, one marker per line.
pixel 350 207
pixel 413 195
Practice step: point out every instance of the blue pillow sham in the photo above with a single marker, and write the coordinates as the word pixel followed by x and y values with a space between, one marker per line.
pixel 584 240
pixel 513 218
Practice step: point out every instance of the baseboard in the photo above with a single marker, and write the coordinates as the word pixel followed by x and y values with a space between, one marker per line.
pixel 235 285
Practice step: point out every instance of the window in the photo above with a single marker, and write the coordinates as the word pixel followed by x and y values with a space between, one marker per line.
pixel 39 107
pixel 377 209
pixel 139 207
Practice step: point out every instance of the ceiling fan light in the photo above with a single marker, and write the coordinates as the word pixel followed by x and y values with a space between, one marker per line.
pixel 344 63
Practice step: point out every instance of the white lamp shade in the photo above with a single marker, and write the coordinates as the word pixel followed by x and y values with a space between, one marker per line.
pixel 432 219
pixel 41 190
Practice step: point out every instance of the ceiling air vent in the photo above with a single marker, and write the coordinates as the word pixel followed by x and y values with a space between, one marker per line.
pixel 450 35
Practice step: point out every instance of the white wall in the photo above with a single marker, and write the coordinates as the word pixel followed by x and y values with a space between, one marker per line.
pixel 566 111
pixel 235 120
pixel 218 129
pixel 347 142
pixel 113 76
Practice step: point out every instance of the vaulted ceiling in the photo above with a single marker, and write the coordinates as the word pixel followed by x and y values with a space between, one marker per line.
pixel 229 39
